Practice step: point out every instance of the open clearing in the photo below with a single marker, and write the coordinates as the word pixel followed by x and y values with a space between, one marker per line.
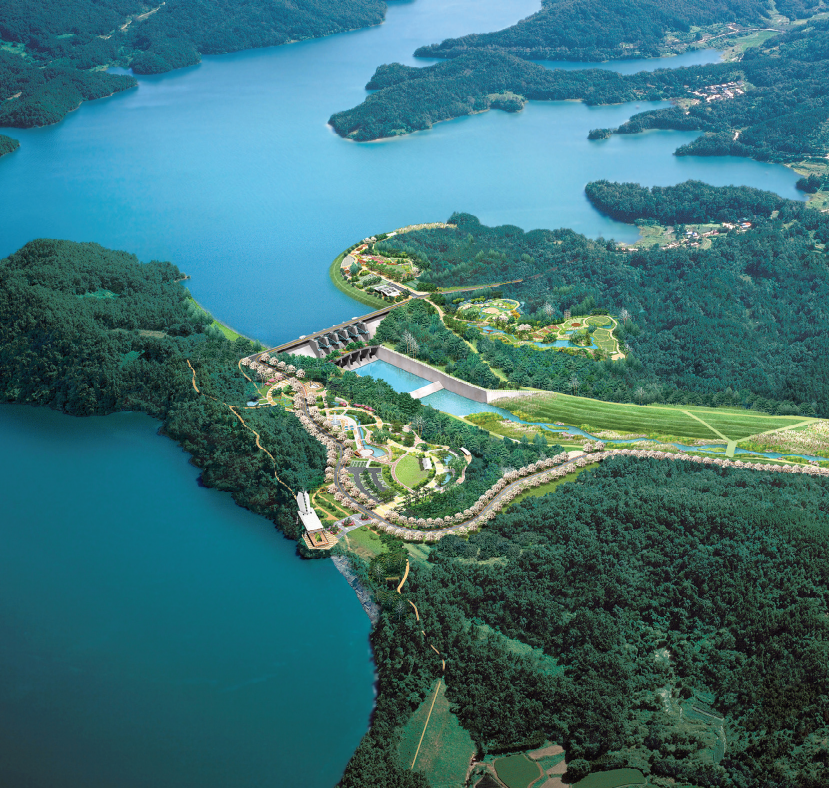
pixel 713 424
pixel 537 492
pixel 408 471
pixel 446 749
pixel 365 542
pixel 517 771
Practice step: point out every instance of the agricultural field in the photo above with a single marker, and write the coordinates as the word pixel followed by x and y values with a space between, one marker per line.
pixel 615 778
pixel 517 771
pixel 724 424
pixel 446 748
pixel 408 471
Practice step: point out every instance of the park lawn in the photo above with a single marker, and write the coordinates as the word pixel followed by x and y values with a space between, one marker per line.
pixel 365 542
pixel 537 492
pixel 446 748
pixel 734 424
pixel 517 771
pixel 615 778
pixel 333 505
pixel 600 320
pixel 408 471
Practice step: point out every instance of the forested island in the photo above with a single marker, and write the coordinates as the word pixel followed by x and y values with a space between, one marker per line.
pixel 55 50
pixel 772 105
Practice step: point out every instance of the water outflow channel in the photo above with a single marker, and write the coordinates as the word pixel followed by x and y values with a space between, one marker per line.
pixel 457 405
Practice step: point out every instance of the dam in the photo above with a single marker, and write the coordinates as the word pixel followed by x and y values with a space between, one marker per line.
pixel 362 329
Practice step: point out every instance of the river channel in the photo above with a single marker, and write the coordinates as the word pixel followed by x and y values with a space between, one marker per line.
pixel 152 633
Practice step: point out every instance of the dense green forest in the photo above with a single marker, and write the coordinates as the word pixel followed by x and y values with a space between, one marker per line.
pixel 740 323
pixel 692 202
pixel 60 43
pixel 8 144
pixel 782 116
pixel 436 345
pixel 86 330
pixel 685 607
pixel 596 30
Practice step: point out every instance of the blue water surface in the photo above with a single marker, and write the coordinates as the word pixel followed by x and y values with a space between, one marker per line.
pixel 230 170
pixel 397 378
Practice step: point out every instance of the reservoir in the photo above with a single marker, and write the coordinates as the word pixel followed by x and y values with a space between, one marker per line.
pixel 230 170
pixel 154 633
pixel 151 632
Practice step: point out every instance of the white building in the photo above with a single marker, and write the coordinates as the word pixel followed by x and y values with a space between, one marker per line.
pixel 307 515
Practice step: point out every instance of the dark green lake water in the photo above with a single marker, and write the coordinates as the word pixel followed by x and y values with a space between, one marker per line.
pixel 151 632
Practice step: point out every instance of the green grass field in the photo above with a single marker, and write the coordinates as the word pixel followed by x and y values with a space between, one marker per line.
pixel 615 778
pixel 517 771
pixel 732 424
pixel 225 329
pixel 537 492
pixel 546 663
pixel 446 749
pixel 366 542
pixel 408 471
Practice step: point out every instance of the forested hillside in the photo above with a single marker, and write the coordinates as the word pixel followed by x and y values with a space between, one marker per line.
pixel 596 30
pixel 59 43
pixel 783 115
pixel 742 322
pixel 412 99
pixel 86 330
pixel 659 588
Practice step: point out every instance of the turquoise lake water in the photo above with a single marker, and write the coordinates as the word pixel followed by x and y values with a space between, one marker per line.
pixel 151 632
pixel 397 378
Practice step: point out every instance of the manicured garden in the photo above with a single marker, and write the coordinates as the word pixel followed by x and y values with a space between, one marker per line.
pixel 409 472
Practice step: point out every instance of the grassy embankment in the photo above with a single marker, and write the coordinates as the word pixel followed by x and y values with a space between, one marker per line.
pixel 537 492
pixel 365 543
pixel 229 332
pixel 349 290
pixel 661 422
